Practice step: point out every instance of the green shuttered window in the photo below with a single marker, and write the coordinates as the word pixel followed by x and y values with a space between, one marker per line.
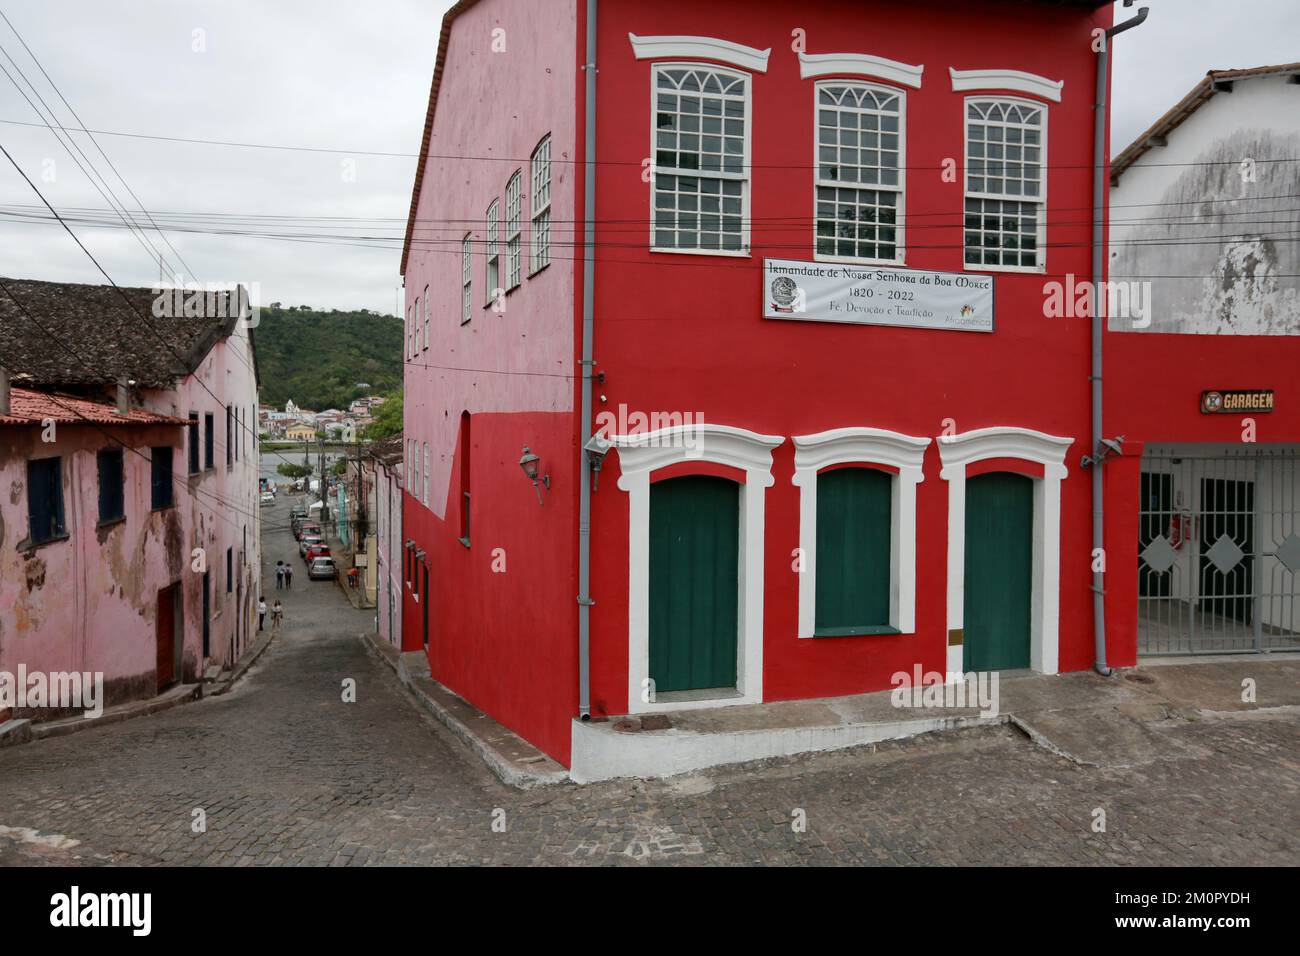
pixel 853 552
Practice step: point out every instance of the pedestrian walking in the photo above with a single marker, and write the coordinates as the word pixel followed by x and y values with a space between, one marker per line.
pixel 261 612
pixel 279 575
pixel 277 615
pixel 288 577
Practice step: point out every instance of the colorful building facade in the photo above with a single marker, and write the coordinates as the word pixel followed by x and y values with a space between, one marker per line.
pixel 806 279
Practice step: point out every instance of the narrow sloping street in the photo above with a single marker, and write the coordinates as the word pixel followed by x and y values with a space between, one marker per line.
pixel 285 772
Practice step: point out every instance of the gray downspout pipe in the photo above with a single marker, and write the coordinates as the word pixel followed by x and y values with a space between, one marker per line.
pixel 1098 322
pixel 588 308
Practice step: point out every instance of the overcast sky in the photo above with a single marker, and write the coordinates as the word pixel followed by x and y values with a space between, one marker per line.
pixel 340 74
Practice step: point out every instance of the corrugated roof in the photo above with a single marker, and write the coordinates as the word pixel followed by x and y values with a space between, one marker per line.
pixel 87 335
pixel 1199 95
pixel 34 408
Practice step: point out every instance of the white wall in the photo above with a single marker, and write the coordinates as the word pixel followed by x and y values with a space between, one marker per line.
pixel 1208 201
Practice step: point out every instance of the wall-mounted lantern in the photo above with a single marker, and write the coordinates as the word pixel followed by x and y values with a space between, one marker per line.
pixel 529 463
pixel 597 448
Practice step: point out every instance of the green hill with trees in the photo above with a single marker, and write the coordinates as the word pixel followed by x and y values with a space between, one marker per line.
pixel 317 358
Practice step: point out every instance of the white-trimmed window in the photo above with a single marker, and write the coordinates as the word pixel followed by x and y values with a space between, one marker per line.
pixel 700 175
pixel 425 473
pixel 1006 189
pixel 859 176
pixel 513 207
pixel 409 313
pixel 493 249
pixel 541 199
pixel 415 328
pixel 857 531
pixel 466 276
pixel 426 317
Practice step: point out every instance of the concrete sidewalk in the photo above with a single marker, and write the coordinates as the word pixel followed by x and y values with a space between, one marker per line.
pixel 1092 720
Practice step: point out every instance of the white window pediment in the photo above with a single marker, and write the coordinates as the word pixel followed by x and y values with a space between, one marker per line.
pixel 860 64
pixel 958 451
pixel 1017 80
pixel 720 444
pixel 706 48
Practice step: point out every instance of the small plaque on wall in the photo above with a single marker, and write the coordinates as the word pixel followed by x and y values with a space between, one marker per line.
pixel 1231 401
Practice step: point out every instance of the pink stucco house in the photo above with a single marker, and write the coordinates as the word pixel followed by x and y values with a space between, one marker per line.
pixel 129 522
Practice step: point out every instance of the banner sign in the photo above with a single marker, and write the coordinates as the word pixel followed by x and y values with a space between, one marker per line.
pixel 874 295
pixel 1229 401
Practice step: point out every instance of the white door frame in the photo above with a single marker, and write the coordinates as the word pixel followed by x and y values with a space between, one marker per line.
pixel 957 452
pixel 639 456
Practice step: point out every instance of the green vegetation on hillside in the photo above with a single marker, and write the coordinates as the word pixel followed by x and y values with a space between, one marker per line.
pixel 317 358
pixel 388 418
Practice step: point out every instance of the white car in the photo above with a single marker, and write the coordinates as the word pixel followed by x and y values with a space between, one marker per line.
pixel 322 567
pixel 307 541
pixel 268 497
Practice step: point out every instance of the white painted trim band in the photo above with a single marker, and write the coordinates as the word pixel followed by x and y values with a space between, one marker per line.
pixel 1017 80
pixel 700 48
pixel 859 64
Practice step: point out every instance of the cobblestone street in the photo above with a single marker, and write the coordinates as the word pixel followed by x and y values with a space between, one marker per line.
pixel 287 773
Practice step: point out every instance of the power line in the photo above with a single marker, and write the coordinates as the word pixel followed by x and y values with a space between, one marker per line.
pixel 136 232
pixel 50 337
pixel 120 206
pixel 130 306
pixel 120 177
pixel 575 162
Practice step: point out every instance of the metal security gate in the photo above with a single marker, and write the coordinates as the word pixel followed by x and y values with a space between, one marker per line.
pixel 1219 550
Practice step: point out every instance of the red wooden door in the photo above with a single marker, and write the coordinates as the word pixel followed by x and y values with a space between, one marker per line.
pixel 166 670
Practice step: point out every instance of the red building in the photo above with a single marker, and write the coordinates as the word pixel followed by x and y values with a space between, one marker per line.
pixel 792 269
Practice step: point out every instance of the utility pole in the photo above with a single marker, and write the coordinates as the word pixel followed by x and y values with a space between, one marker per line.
pixel 324 503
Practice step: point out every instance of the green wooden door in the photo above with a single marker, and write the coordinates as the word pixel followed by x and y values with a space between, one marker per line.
pixel 999 571
pixel 694 576
pixel 853 527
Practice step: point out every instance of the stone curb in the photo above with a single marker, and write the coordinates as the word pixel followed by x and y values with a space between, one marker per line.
pixel 183 694
pixel 498 763
pixel 249 659
pixel 114 715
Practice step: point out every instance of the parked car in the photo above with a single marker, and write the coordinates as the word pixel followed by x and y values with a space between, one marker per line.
pixel 268 498
pixel 322 568
pixel 306 541
pixel 306 528
pixel 317 551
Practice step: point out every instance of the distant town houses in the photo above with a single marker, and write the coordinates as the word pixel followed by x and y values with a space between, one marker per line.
pixel 301 424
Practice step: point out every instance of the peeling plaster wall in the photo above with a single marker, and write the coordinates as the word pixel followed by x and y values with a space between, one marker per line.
pixel 88 601
pixel 221 510
pixel 1217 223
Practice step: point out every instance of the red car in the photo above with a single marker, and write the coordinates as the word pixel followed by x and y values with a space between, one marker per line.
pixel 307 527
pixel 316 551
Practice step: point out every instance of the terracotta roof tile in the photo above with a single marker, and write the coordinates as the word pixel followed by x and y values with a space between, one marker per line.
pixel 33 408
